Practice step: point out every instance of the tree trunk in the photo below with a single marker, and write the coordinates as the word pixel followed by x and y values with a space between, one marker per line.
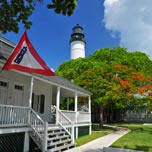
pixel 100 115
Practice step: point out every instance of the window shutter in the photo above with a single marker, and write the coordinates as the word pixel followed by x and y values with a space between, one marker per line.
pixel 32 100
pixel 42 103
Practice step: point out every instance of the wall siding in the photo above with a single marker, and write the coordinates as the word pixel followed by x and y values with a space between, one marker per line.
pixel 39 87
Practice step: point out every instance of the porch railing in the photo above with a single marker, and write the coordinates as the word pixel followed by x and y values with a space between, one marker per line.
pixel 13 116
pixel 24 116
pixel 84 117
pixel 65 123
pixel 70 114
pixel 78 117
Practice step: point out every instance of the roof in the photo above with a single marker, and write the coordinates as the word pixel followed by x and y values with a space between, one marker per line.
pixel 64 82
pixel 55 79
pixel 6 48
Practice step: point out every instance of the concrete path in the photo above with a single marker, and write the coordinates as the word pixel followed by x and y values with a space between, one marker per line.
pixel 98 144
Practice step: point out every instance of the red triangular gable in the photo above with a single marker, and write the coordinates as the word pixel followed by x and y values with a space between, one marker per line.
pixel 24 58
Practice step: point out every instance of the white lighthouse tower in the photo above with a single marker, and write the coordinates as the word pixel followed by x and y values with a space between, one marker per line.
pixel 77 42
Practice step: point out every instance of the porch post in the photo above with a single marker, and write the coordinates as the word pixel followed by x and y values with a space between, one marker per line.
pixel 76 113
pixel 76 106
pixel 72 132
pixel 30 97
pixel 57 104
pixel 31 90
pixel 26 142
pixel 89 105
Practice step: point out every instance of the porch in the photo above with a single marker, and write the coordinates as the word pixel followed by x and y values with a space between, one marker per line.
pixel 16 119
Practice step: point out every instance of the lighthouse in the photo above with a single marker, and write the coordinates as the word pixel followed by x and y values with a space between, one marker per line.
pixel 77 42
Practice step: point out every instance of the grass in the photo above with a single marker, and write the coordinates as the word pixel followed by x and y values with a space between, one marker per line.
pixel 139 138
pixel 96 133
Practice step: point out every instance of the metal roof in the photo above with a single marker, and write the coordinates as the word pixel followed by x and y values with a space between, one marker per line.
pixel 64 82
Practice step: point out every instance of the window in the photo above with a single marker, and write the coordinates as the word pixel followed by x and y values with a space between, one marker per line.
pixel 18 87
pixel 3 84
pixel 38 102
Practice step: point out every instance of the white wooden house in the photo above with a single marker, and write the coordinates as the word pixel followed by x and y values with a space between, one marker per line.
pixel 22 121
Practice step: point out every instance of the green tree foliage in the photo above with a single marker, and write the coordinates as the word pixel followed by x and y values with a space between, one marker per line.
pixel 65 7
pixel 14 12
pixel 118 55
pixel 114 76
pixel 73 68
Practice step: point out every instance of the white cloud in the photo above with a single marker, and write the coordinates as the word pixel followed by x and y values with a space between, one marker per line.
pixel 132 19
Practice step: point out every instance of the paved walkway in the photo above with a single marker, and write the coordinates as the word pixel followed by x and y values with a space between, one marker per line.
pixel 98 144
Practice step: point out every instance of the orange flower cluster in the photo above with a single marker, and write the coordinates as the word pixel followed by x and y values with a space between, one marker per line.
pixel 117 66
pixel 138 77
pixel 84 80
pixel 142 89
pixel 150 87
pixel 124 83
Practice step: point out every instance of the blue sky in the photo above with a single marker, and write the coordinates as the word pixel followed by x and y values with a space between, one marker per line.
pixel 50 32
pixel 106 23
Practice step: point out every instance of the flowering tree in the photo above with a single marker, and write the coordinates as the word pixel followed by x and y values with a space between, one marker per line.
pixel 115 85
pixel 112 79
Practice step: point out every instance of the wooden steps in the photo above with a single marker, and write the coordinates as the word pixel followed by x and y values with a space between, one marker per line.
pixel 61 148
pixel 59 140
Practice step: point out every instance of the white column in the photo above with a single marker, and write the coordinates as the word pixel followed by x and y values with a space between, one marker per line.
pixel 26 142
pixel 76 132
pixel 58 98
pixel 57 103
pixel 76 113
pixel 31 90
pixel 76 106
pixel 30 97
pixel 89 105
pixel 72 132
pixel 90 129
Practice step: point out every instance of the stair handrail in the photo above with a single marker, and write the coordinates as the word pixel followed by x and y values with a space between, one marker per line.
pixel 36 123
pixel 39 127
pixel 65 123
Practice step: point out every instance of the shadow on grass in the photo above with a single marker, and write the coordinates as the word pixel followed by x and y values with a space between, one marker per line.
pixel 144 148
pixel 140 148
pixel 142 129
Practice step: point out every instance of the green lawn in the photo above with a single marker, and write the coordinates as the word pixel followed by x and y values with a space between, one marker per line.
pixel 140 138
pixel 96 133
